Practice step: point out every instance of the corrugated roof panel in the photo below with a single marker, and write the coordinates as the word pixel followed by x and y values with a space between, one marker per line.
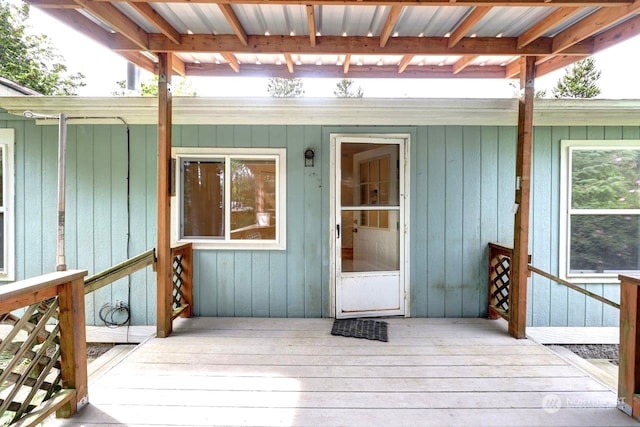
pixel 509 21
pixel 203 19
pixel 412 21
pixel 350 20
pixel 442 21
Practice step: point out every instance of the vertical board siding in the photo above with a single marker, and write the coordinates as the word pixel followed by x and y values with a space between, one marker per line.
pixel 462 189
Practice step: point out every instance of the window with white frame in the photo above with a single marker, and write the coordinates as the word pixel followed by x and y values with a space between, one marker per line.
pixel 600 209
pixel 7 260
pixel 230 198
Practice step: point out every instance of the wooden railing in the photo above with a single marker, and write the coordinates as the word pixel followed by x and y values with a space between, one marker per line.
pixel 629 350
pixel 182 278
pixel 43 353
pixel 119 271
pixel 499 275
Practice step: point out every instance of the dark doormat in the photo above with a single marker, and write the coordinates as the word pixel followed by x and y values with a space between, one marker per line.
pixel 361 328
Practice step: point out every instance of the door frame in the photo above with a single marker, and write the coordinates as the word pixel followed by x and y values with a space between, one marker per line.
pixel 405 191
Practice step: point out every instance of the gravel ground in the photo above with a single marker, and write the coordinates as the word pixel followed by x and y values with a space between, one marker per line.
pixel 95 350
pixel 595 351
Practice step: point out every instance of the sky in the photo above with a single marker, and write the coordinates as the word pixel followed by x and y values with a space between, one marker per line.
pixel 103 68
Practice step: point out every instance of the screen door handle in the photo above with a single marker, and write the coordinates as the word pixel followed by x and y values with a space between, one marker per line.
pixel 338 230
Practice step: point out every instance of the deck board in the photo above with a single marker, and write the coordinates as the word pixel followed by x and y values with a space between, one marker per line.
pixel 269 372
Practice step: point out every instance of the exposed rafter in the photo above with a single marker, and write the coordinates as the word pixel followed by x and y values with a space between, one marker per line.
pixel 467 24
pixel 555 63
pixel 546 24
pixel 311 22
pixel 178 66
pixel 289 60
pixel 118 21
pixel 158 21
pixel 235 23
pixel 232 61
pixel 592 24
pixel 346 63
pixel 463 63
pixel 389 24
pixel 404 63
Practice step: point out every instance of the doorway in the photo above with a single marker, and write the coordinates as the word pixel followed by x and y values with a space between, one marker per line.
pixel 369 225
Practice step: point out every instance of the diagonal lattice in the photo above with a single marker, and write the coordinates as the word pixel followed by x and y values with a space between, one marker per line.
pixel 29 359
pixel 500 268
pixel 178 280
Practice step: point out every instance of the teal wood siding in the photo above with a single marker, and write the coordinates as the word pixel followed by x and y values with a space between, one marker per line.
pixel 462 187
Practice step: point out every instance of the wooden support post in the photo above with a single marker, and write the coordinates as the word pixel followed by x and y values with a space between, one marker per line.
pixel 629 369
pixel 164 269
pixel 520 260
pixel 73 344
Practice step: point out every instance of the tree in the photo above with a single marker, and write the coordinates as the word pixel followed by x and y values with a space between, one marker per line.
pixel 579 81
pixel 280 87
pixel 181 87
pixel 345 89
pixel 32 60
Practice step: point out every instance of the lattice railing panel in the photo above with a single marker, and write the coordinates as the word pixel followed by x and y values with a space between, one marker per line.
pixel 178 280
pixel 500 268
pixel 29 359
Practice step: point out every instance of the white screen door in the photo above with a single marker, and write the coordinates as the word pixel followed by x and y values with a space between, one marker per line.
pixel 369 227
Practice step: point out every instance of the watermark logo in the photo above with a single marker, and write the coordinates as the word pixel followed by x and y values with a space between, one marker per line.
pixel 551 403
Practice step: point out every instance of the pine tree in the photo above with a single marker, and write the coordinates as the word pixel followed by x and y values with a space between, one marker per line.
pixel 280 87
pixel 344 89
pixel 32 60
pixel 580 81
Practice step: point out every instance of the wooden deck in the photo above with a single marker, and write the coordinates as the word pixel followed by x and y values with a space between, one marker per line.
pixel 457 372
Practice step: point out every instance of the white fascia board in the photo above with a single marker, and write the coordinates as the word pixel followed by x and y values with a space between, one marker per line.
pixel 330 111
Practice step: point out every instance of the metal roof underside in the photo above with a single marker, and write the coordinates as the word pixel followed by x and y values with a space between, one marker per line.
pixel 352 38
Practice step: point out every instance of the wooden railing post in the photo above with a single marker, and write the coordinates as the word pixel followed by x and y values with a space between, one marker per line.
pixel 187 286
pixel 629 367
pixel 73 344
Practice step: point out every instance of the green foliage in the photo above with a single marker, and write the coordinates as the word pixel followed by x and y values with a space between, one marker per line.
pixel 279 87
pixel 605 179
pixel 580 81
pixel 345 89
pixel 32 60
pixel 181 87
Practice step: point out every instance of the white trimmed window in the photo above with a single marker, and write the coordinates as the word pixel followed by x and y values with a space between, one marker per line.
pixel 600 210
pixel 7 217
pixel 232 198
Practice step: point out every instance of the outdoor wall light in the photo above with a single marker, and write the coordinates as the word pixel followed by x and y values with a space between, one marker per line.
pixel 309 154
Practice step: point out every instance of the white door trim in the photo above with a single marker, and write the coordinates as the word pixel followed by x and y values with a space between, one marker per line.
pixel 405 191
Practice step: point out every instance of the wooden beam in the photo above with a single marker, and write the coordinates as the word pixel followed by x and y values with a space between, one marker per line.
pixel 404 63
pixel 164 270
pixel 157 20
pixel 389 24
pixel 232 61
pixel 555 63
pixel 357 45
pixel 463 63
pixel 621 32
pixel 446 3
pixel 140 60
pixel 467 24
pixel 598 21
pixel 519 273
pixel 178 66
pixel 547 23
pixel 118 21
pixel 346 63
pixel 235 23
pixel 512 69
pixel 364 71
pixel 289 60
pixel 54 4
pixel 311 22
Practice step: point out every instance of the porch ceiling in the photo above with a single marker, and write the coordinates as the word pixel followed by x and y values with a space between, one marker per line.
pixel 352 38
